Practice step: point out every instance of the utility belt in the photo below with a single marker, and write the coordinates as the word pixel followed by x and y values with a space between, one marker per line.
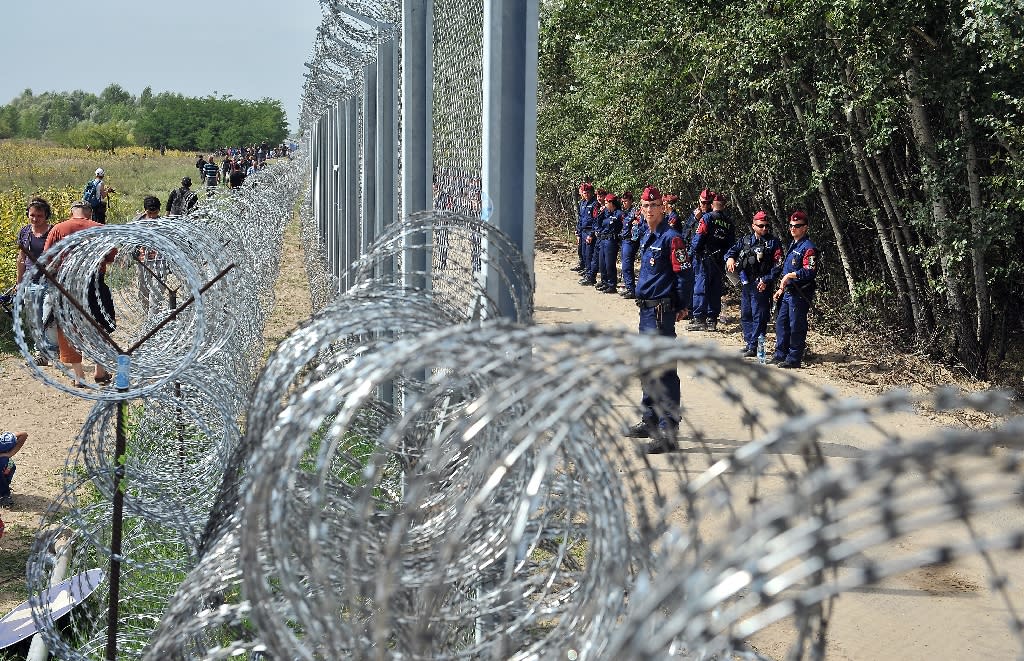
pixel 604 235
pixel 652 302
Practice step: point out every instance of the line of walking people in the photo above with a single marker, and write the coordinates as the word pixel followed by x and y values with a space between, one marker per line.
pixel 611 234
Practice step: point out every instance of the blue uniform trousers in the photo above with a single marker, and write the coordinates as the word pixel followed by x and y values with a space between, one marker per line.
pixel 791 326
pixel 661 398
pixel 755 308
pixel 589 250
pixel 628 255
pixel 609 272
pixel 6 475
pixel 595 259
pixel 707 288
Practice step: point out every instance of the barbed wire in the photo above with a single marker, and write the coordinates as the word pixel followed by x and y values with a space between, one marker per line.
pixel 410 475
pixel 188 379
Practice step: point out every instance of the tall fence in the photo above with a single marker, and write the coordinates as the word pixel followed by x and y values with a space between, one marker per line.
pixel 412 106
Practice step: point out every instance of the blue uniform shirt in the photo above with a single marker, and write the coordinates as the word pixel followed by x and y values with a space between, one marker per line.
pixel 589 210
pixel 609 223
pixel 7 443
pixel 662 254
pixel 801 258
pixel 627 225
pixel 757 259
pixel 713 234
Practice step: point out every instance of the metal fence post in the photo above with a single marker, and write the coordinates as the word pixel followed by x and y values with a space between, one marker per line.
pixel 417 132
pixel 351 201
pixel 387 140
pixel 510 126
pixel 371 192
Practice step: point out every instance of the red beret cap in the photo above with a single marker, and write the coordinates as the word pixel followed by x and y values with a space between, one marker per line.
pixel 760 215
pixel 719 197
pixel 610 197
pixel 798 216
pixel 628 195
pixel 706 195
pixel 671 199
pixel 650 194
pixel 584 187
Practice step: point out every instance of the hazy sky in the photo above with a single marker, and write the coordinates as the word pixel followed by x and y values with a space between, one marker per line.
pixel 249 49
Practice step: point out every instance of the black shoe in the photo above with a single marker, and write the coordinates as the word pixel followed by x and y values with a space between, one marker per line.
pixel 628 294
pixel 587 282
pixel 577 269
pixel 696 324
pixel 789 365
pixel 660 446
pixel 775 361
pixel 712 325
pixel 600 286
pixel 749 353
pixel 611 290
pixel 639 430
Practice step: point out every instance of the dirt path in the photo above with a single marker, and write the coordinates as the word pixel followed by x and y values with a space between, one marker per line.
pixel 895 620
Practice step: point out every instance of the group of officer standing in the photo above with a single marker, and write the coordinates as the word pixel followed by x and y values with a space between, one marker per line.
pixel 683 265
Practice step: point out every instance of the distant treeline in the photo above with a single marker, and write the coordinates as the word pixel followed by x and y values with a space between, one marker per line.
pixel 116 118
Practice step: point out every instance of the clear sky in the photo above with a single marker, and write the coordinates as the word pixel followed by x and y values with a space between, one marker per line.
pixel 248 49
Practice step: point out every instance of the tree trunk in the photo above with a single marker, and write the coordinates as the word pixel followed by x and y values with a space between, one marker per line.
pixel 823 193
pixel 901 238
pixel 983 330
pixel 908 239
pixel 881 228
pixel 966 347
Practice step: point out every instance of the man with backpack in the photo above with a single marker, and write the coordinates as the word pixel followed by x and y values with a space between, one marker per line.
pixel 182 200
pixel 95 193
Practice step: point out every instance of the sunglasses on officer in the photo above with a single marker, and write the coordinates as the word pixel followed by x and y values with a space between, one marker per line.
pixel 760 225
pixel 798 224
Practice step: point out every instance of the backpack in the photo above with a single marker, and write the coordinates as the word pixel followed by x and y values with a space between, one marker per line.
pixel 91 194
pixel 188 201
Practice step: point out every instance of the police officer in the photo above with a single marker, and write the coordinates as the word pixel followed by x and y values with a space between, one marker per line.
pixel 633 227
pixel 794 295
pixel 688 229
pixel 594 264
pixel 670 211
pixel 608 230
pixel 713 236
pixel 588 211
pixel 661 297
pixel 756 256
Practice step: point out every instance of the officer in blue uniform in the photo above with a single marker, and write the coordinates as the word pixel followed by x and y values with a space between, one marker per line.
pixel 794 295
pixel 756 257
pixel 608 230
pixel 713 236
pixel 688 229
pixel 588 208
pixel 660 295
pixel 670 212
pixel 633 228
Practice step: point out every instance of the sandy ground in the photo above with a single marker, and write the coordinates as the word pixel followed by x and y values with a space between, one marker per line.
pixel 935 613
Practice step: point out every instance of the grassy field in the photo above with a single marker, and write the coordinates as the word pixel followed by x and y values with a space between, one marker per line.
pixel 59 174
